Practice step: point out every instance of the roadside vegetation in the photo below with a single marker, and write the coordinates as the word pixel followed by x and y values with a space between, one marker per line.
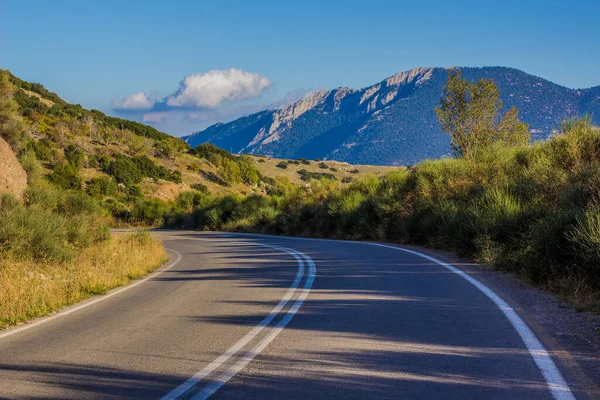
pixel 529 208
pixel 55 244
pixel 532 209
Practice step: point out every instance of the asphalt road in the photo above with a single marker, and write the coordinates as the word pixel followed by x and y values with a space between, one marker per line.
pixel 255 317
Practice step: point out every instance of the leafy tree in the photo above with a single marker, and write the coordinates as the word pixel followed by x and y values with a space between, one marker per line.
pixel 136 145
pixel 166 149
pixel 471 113
pixel 249 172
pixel 230 170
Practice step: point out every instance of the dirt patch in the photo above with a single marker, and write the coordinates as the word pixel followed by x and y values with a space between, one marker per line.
pixel 46 102
pixel 13 178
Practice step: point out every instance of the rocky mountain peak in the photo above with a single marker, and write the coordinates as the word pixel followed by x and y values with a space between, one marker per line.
pixel 392 122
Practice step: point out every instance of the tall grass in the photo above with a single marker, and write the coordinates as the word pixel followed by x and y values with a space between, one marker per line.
pixel 56 249
pixel 533 210
pixel 33 288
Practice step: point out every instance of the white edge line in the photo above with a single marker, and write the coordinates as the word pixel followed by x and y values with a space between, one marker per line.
pixel 197 377
pixel 556 382
pixel 43 320
pixel 260 346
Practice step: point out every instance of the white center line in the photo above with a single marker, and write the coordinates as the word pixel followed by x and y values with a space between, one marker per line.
pixel 197 377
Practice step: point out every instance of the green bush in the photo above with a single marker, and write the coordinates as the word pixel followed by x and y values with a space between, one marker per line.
pixel 50 225
pixel 149 211
pixel 34 233
pixel 307 176
pixel 199 188
pixel 103 186
pixel 65 176
pixel 282 165
pixel 585 241
pixel 74 156
pixel 125 171
pixel 44 149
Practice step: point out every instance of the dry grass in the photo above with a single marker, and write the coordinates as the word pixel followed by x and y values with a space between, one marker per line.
pixel 32 289
pixel 269 168
pixel 46 102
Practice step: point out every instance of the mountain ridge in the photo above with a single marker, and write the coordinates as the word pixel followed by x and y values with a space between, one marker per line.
pixel 391 122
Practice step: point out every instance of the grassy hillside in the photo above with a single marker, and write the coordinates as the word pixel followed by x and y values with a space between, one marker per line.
pixel 88 151
pixel 55 243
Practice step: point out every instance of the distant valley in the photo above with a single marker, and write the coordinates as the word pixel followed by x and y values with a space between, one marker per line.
pixel 392 122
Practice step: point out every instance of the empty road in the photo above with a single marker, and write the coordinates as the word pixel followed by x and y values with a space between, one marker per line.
pixel 256 317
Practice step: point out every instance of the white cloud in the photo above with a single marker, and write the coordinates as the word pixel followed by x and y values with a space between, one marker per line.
pixel 156 117
pixel 137 101
pixel 211 88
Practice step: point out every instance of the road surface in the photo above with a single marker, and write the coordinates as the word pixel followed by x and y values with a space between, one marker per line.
pixel 258 317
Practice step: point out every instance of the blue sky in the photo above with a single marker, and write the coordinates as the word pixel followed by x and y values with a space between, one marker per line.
pixel 98 53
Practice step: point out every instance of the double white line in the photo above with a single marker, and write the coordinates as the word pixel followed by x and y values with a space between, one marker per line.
pixel 306 266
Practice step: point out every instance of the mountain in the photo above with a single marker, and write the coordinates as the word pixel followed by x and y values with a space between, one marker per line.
pixel 392 122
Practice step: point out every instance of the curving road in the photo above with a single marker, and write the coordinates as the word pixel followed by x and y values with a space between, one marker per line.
pixel 253 317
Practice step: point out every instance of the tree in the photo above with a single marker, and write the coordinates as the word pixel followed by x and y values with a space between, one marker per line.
pixel 166 149
pixel 471 113
pixel 90 124
pixel 136 145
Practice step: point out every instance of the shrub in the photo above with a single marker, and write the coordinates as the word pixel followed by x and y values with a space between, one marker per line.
pixel 149 211
pixel 585 241
pixel 134 192
pixel 51 225
pixel 102 186
pixel 44 149
pixel 66 176
pixel 199 188
pixel 74 156
pixel 34 233
pixel 323 165
pixel 125 171
pixel 307 176
pixel 282 165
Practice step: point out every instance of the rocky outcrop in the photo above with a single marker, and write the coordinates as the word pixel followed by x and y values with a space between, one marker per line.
pixel 13 178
